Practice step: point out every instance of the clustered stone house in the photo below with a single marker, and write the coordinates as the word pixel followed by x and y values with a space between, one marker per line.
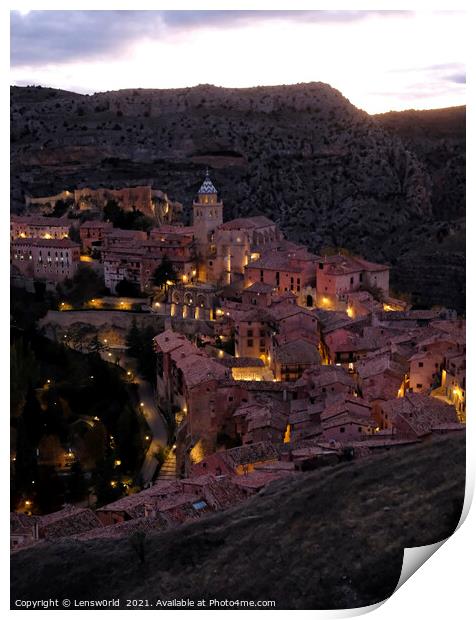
pixel 53 260
pixel 41 248
pixel 324 361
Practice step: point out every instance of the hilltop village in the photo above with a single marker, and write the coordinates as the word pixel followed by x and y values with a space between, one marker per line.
pixel 270 360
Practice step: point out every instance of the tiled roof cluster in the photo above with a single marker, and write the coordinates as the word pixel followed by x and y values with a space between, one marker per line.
pixel 259 287
pixel 338 264
pixel 96 224
pixel 262 416
pixel 45 243
pixel 299 351
pixel 243 455
pixel 66 522
pixel 247 223
pixel 39 220
pixel 241 362
pixel 421 413
pixel 319 376
pixel 134 505
pixel 258 479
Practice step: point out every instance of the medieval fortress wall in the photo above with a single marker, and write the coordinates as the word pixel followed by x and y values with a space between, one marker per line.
pixel 151 202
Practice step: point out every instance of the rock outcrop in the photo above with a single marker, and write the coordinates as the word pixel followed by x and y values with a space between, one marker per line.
pixel 327 172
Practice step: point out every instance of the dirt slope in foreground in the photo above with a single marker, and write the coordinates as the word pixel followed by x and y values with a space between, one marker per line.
pixel 328 539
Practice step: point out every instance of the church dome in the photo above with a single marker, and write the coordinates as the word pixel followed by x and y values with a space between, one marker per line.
pixel 207 186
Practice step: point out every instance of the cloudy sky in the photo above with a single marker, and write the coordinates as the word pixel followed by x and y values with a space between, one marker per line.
pixel 380 60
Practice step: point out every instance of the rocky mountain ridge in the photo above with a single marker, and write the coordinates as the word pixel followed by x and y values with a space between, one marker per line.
pixel 327 172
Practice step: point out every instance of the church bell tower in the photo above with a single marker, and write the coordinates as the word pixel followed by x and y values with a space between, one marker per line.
pixel 207 214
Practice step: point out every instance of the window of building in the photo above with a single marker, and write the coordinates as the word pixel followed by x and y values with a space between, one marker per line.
pixel 261 275
pixel 249 333
pixel 321 265
pixel 352 280
pixel 420 364
pixel 419 385
pixel 342 429
pixel 250 342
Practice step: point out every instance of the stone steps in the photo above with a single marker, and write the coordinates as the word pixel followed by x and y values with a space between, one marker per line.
pixel 168 469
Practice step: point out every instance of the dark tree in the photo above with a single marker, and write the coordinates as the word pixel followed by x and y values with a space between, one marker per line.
pixel 96 346
pixel 74 234
pixel 32 415
pixel 126 288
pixel 127 439
pixel 84 286
pixel 25 461
pixel 134 340
pixel 140 345
pixel 147 359
pixel 49 490
pixel 76 487
pixel 23 373
pixel 129 220
pixel 106 488
pixel 113 213
pixel 163 273
pixel 60 208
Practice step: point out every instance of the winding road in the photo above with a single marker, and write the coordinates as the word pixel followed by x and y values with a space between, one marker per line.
pixel 148 404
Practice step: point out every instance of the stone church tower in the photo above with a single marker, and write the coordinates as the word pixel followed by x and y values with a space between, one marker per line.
pixel 207 216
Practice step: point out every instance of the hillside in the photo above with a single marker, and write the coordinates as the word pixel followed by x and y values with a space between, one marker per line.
pixel 327 539
pixel 328 173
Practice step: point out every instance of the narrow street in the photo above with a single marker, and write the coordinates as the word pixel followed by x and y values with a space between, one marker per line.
pixel 149 408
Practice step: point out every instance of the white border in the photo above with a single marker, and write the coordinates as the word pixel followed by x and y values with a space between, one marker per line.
pixel 444 586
